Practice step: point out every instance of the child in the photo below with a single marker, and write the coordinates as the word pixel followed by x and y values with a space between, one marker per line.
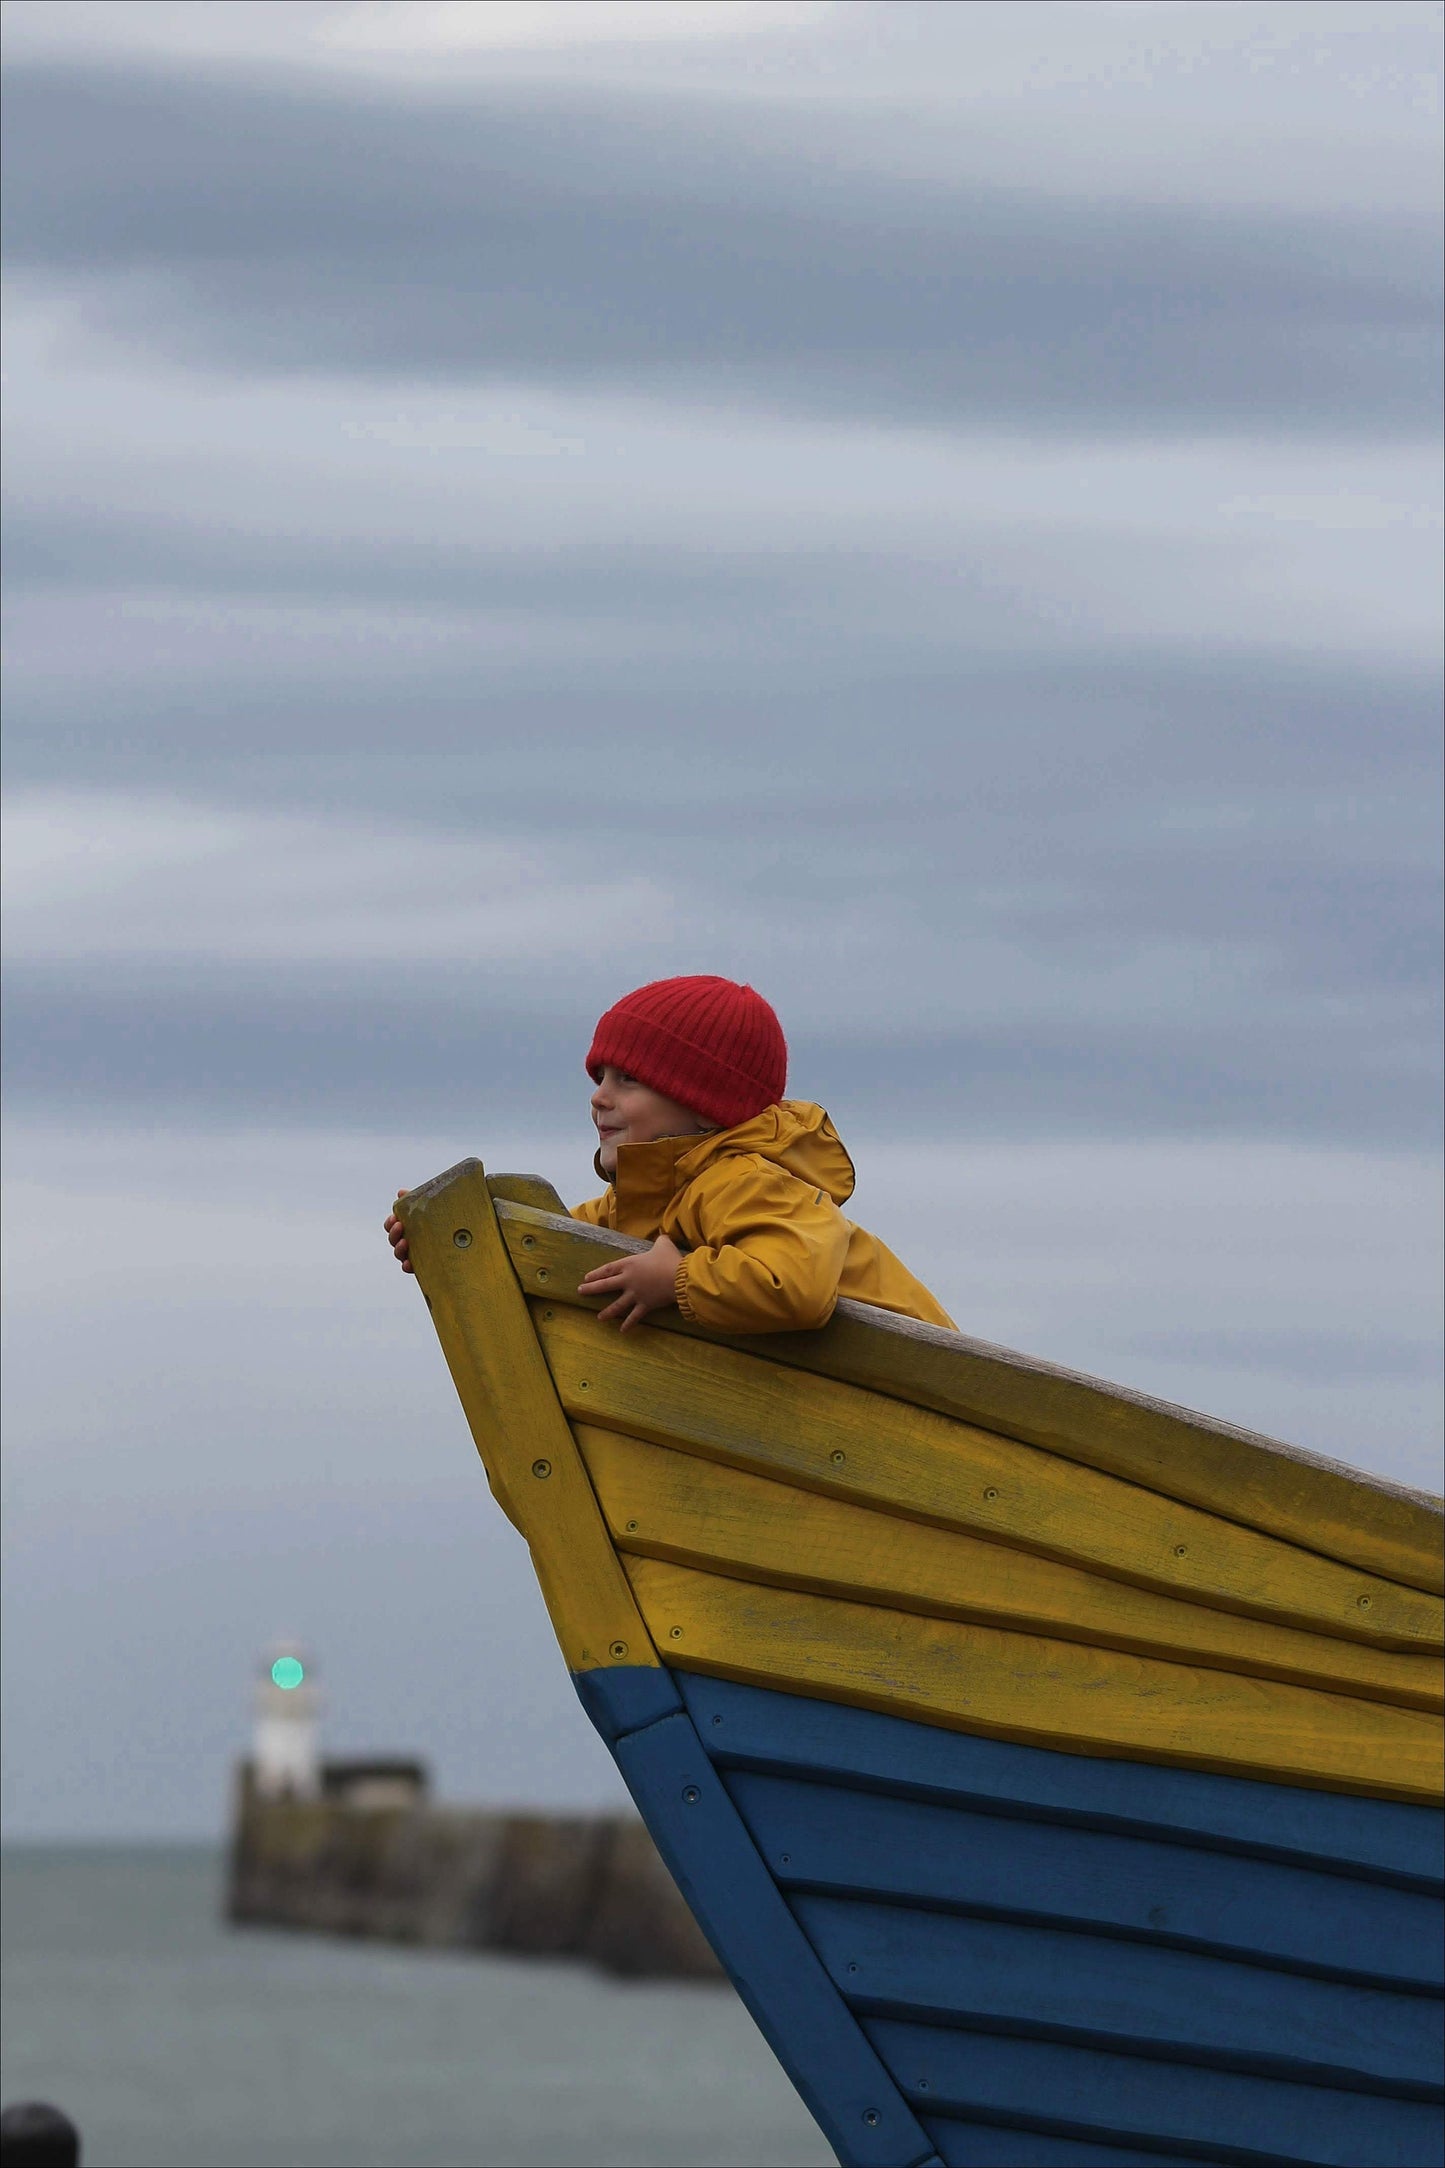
pixel 736 1188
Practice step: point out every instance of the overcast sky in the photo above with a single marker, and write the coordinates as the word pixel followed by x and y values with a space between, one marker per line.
pixel 932 509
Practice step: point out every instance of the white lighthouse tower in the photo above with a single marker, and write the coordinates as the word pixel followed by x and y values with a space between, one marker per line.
pixel 285 1749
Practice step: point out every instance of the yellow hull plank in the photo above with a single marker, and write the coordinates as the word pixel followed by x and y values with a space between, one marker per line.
pixel 660 1503
pixel 1359 1520
pixel 826 1436
pixel 1039 1691
pixel 526 1444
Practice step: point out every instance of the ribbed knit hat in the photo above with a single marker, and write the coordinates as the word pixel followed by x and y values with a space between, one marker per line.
pixel 711 1044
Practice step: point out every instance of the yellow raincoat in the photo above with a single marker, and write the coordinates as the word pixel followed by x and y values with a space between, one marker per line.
pixel 755 1208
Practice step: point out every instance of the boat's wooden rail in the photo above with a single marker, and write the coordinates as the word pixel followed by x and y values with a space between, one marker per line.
pixel 1357 1519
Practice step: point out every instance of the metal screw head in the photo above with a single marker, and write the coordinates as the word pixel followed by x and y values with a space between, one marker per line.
pixel 1364 1603
pixel 717 1719
pixel 584 1385
pixel 852 1967
pixel 549 1315
pixel 632 1528
pixel 674 1633
pixel 785 1859
pixel 1181 1550
pixel 990 1493
pixel 463 1238
pixel 870 2117
pixel 837 1459
pixel 691 1794
pixel 617 1650
pixel 543 1273
pixel 529 1242
pixel 541 1469
pixel 923 2085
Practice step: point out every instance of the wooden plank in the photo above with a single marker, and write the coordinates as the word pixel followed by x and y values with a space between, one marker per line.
pixel 1378 1841
pixel 852 1444
pixel 805 2020
pixel 1128 1997
pixel 1044 1692
pixel 1090 2093
pixel 847 1842
pixel 697 1512
pixel 532 1190
pixel 990 2145
pixel 524 1439
pixel 1347 1514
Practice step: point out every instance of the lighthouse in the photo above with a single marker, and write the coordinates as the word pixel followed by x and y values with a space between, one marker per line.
pixel 285 1754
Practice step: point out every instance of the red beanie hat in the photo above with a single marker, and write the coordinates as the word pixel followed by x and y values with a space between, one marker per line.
pixel 712 1045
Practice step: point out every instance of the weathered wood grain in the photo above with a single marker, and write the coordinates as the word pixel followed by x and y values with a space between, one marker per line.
pixel 1343 1513
pixel 1036 1689
pixel 837 1438
pixel 532 1190
pixel 523 1437
pixel 698 1512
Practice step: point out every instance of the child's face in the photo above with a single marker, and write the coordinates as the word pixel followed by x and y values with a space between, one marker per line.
pixel 627 1112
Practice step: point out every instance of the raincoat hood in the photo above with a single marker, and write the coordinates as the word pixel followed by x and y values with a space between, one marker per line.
pixel 792 1134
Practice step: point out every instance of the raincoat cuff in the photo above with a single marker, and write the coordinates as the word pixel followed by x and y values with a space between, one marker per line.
pixel 679 1291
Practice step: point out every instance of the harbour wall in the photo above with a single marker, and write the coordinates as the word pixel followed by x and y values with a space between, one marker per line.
pixel 381 1862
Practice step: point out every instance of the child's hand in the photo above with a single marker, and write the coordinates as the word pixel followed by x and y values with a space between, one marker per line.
pixel 645 1282
pixel 396 1236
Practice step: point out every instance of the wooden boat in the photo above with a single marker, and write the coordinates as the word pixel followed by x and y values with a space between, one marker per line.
pixel 1056 1773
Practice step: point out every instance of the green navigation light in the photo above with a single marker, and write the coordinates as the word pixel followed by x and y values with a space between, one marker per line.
pixel 286 1672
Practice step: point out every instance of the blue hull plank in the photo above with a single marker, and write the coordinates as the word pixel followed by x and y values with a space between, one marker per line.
pixel 1013 1955
pixel 839 1840
pixel 1215 2115
pixel 987 2145
pixel 1374 1839
pixel 996 1976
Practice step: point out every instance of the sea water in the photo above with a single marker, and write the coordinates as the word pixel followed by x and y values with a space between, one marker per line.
pixel 174 2041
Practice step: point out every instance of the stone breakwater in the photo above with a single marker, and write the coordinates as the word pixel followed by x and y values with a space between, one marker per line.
pixel 456 1878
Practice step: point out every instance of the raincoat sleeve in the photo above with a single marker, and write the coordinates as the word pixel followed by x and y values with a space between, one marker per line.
pixel 771 1253
pixel 594 1211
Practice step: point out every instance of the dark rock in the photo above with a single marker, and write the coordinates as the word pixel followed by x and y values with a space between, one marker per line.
pixel 33 2134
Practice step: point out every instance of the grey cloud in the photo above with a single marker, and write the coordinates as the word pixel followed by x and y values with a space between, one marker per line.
pixel 47 548
pixel 168 1047
pixel 874 649
pixel 1184 886
pixel 552 234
